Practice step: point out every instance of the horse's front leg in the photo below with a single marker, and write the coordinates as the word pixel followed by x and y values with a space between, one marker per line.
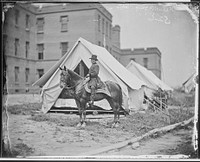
pixel 83 106
pixel 116 116
pixel 80 114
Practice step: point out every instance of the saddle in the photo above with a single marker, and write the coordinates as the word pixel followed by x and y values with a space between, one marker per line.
pixel 100 89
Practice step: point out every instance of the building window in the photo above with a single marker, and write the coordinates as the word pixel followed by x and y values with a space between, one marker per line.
pixel 27 49
pixel 5 37
pixel 99 43
pixel 99 23
pixel 16 46
pixel 40 48
pixel 64 23
pixel 106 28
pixel 16 74
pixel 27 21
pixel 40 25
pixel 159 63
pixel 145 62
pixel 64 47
pixel 103 26
pixel 16 17
pixel 27 74
pixel 40 72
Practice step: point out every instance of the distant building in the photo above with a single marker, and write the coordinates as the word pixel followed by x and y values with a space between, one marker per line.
pixel 19 47
pixel 59 27
pixel 150 58
pixel 35 38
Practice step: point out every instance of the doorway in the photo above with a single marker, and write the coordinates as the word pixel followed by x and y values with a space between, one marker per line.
pixel 81 69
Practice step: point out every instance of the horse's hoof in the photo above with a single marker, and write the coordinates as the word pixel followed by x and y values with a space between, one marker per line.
pixel 116 125
pixel 87 105
pixel 79 124
pixel 113 125
pixel 83 125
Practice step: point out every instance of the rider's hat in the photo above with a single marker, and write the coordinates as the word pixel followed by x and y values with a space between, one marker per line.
pixel 94 57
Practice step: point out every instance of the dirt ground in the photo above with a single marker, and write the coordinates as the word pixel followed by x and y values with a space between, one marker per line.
pixel 51 137
pixel 55 134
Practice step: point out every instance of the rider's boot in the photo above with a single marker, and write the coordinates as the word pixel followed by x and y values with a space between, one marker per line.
pixel 92 96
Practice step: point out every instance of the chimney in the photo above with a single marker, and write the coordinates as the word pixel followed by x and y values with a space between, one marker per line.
pixel 116 35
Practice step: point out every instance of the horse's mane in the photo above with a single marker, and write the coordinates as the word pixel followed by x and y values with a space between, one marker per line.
pixel 75 75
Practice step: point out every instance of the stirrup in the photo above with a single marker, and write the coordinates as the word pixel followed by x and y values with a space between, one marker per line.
pixel 91 102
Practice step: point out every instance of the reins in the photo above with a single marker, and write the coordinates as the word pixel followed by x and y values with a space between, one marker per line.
pixel 72 87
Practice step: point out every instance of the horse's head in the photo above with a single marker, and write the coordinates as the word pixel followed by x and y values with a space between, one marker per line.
pixel 64 78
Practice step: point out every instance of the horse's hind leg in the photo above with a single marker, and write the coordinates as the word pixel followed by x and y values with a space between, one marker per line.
pixel 117 115
pixel 115 118
pixel 115 108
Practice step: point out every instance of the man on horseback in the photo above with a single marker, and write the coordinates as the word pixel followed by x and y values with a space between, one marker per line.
pixel 94 81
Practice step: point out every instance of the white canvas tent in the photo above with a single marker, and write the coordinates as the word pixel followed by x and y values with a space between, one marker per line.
pixel 189 84
pixel 110 69
pixel 147 76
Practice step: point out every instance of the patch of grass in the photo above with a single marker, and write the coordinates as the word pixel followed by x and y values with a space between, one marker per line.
pixel 25 109
pixel 141 123
pixel 58 120
pixel 182 99
pixel 21 149
pixel 180 114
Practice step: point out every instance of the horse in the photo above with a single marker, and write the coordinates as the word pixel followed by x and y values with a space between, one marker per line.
pixel 74 85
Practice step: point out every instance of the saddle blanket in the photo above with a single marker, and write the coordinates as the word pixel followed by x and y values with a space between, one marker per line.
pixel 104 90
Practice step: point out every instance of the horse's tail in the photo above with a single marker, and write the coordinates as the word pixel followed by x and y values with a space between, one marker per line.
pixel 126 112
pixel 120 97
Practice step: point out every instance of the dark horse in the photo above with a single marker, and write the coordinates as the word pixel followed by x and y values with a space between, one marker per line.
pixel 74 84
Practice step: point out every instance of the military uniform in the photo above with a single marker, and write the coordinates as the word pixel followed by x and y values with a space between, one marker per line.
pixel 94 78
pixel 95 81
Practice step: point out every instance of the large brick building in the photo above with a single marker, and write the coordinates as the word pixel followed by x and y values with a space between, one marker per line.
pixel 19 47
pixel 149 58
pixel 35 38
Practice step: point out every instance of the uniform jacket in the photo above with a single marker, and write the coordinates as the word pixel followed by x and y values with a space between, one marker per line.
pixel 94 71
pixel 94 78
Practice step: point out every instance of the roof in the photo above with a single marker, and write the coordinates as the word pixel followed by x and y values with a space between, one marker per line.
pixel 104 57
pixel 147 76
pixel 189 84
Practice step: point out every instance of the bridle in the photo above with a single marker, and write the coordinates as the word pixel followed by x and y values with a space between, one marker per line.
pixel 66 81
